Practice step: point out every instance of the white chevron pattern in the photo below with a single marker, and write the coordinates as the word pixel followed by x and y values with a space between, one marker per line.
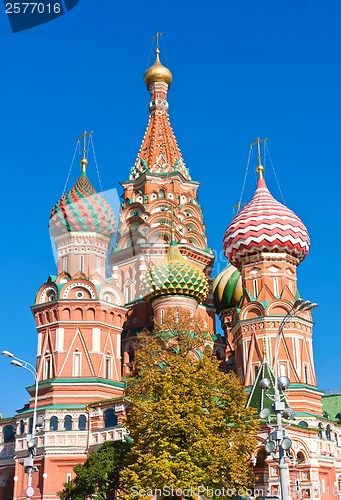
pixel 265 225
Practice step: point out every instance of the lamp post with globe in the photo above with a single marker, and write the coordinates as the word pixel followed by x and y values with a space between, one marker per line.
pixel 278 437
pixel 31 439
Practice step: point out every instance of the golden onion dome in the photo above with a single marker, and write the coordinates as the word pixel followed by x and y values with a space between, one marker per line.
pixel 174 276
pixel 157 72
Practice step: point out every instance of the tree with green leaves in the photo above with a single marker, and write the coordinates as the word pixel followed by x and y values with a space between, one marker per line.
pixel 98 476
pixel 191 431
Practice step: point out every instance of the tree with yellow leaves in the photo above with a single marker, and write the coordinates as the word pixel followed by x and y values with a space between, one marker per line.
pixel 192 435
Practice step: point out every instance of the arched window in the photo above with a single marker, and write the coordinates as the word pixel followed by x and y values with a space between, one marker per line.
pixel 68 423
pixel 161 194
pixel 53 423
pixel 9 434
pixel 22 427
pixel 82 422
pixel 328 434
pixel 303 423
pixel 30 425
pixel 261 457
pixel 110 419
pixel 300 458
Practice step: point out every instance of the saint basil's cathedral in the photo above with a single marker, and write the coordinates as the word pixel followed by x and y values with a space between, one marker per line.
pixel 87 321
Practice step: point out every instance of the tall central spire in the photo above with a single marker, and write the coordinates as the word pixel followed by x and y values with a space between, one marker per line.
pixel 159 152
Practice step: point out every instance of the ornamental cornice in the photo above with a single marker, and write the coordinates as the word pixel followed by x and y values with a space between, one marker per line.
pixel 269 257
pixel 249 325
pixel 81 239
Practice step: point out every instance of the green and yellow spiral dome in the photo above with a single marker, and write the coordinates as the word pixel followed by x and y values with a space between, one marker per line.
pixel 227 288
pixel 174 276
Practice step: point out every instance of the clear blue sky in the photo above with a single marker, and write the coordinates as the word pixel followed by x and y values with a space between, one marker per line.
pixel 241 69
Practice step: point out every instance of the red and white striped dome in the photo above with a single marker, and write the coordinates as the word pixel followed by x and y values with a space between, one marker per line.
pixel 265 225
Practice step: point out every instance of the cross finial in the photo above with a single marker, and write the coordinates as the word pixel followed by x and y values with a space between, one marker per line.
pixel 84 160
pixel 156 36
pixel 260 167
pixel 239 206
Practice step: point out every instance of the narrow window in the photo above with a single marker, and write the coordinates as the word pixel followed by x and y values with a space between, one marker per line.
pixel 81 264
pixel 276 293
pixel 68 423
pixel 68 477
pixel 107 373
pixel 255 288
pixel 82 422
pixel 53 423
pixel 22 427
pixel 76 365
pixel 290 285
pixel 128 293
pixel 98 265
pixel 283 370
pixel 161 316
pixel 47 367
pixel 162 194
pixel 306 377
pixel 65 264
pixel 256 371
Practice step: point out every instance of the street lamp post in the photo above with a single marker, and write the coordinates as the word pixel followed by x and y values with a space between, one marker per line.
pixel 31 439
pixel 278 438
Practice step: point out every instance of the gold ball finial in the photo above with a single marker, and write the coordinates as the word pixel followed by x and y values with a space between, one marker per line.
pixel 157 72
pixel 260 170
pixel 84 162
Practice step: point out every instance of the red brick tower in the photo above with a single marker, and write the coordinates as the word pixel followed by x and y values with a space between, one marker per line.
pixel 79 316
pixel 158 195
pixel 266 242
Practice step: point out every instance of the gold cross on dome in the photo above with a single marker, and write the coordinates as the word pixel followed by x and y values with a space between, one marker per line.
pixel 84 136
pixel 259 168
pixel 157 35
pixel 239 206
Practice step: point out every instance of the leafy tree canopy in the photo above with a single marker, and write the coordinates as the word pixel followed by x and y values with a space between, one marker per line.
pixel 98 476
pixel 188 420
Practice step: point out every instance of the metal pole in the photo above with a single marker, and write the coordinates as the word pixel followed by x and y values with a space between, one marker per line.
pixel 283 467
pixel 29 461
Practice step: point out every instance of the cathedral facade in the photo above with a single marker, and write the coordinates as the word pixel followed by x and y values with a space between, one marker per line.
pixel 87 321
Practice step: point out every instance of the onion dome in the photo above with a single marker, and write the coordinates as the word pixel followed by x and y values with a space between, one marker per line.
pixel 174 276
pixel 82 209
pixel 157 72
pixel 265 225
pixel 227 288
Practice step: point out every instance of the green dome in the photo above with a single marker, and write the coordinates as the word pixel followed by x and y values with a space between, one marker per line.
pixel 227 288
pixel 174 276
pixel 82 209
